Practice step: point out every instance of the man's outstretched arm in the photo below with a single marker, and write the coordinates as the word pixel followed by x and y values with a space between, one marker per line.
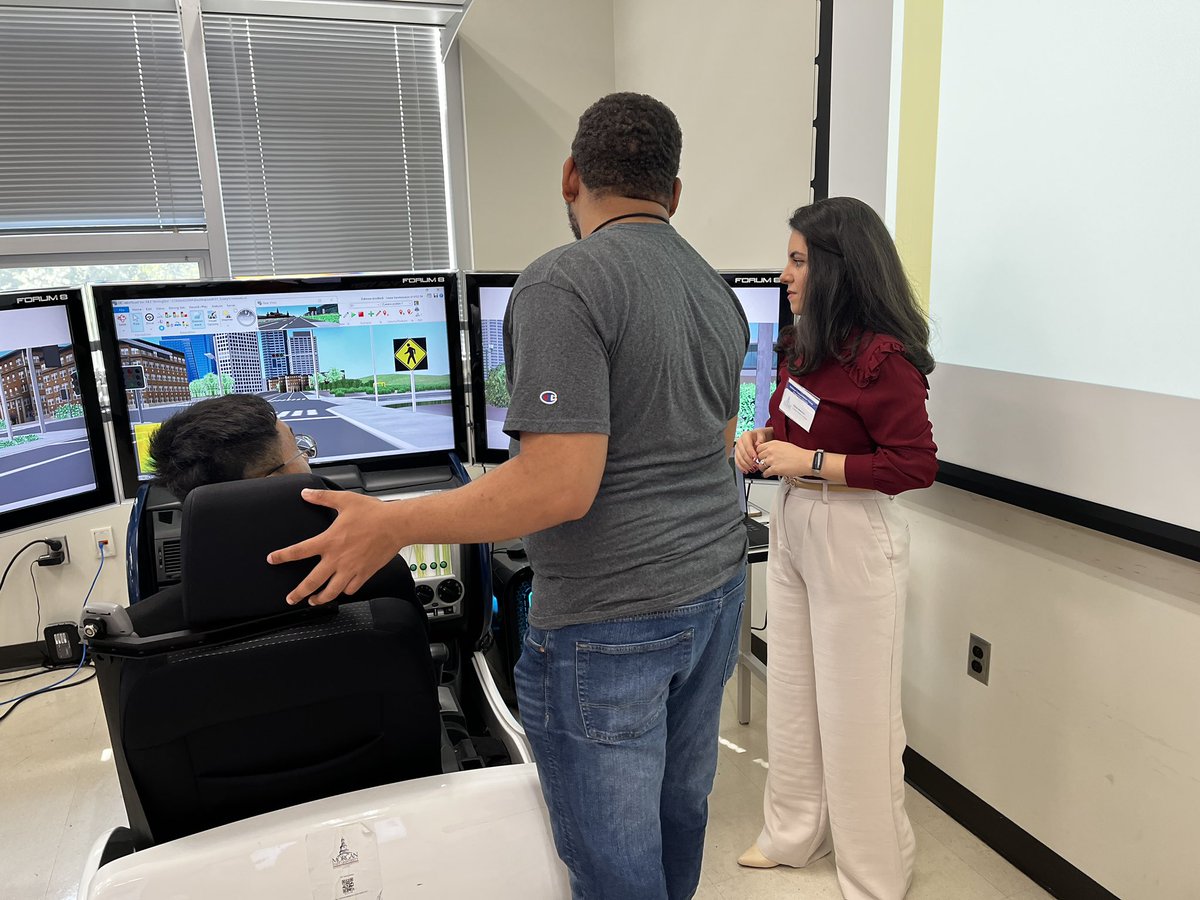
pixel 554 479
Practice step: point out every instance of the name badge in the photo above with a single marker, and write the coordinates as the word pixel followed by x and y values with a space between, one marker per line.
pixel 799 405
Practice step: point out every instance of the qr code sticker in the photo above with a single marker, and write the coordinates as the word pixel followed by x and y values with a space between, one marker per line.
pixel 347 883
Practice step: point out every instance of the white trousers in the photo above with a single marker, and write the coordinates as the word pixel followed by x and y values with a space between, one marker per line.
pixel 836 582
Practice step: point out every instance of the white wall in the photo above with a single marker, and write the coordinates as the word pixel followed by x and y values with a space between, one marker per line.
pixel 740 78
pixel 62 588
pixel 859 100
pixel 1087 735
pixel 529 67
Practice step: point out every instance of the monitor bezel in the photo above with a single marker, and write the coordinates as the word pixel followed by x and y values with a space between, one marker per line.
pixel 105 295
pixel 103 494
pixel 484 455
pixel 762 278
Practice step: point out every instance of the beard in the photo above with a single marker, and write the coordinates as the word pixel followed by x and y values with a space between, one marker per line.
pixel 574 223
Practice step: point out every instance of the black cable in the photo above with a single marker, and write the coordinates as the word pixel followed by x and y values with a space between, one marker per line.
pixel 83 662
pixel 764 624
pixel 38 598
pixel 61 687
pixel 18 553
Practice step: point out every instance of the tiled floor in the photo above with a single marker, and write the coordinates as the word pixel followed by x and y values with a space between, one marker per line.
pixel 59 792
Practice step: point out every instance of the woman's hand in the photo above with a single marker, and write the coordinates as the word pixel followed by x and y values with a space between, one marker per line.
pixel 777 458
pixel 745 451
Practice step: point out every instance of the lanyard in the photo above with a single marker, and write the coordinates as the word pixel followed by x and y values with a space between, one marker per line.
pixel 632 215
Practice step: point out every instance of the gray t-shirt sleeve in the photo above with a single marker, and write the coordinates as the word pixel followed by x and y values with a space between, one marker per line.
pixel 558 367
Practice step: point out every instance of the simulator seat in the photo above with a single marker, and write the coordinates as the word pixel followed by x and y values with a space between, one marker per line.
pixel 257 706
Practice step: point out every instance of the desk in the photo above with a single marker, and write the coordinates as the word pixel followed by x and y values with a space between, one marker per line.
pixel 748 664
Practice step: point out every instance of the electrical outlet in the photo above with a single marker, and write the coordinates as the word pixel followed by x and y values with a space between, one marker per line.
pixel 979 658
pixel 62 539
pixel 103 536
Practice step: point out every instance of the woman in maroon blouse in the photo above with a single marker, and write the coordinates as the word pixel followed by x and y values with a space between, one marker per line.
pixel 848 431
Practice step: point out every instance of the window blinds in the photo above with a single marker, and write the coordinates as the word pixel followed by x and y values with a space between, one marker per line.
pixel 95 123
pixel 329 143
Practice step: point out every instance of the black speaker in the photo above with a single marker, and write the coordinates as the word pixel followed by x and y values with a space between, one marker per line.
pixel 512 584
pixel 63 647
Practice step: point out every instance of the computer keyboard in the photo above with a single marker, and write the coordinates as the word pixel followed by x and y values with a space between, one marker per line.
pixel 758 533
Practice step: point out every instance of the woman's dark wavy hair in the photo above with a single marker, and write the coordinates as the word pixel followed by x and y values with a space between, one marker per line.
pixel 855 288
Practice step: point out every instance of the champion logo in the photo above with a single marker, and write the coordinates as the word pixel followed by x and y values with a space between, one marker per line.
pixel 549 397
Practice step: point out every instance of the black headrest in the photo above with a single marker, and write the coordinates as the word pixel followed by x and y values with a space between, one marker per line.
pixel 228 529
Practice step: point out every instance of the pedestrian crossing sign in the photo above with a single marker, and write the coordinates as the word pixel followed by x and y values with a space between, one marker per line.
pixel 410 354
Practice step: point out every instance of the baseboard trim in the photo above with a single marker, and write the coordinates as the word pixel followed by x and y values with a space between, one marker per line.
pixel 1008 839
pixel 22 656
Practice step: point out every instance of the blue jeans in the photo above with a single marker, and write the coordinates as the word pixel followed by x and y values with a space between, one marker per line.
pixel 623 718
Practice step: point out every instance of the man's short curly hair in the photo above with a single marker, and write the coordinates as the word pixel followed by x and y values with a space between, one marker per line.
pixel 628 145
pixel 220 439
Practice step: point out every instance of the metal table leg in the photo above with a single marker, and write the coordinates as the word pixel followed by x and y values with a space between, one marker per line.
pixel 743 669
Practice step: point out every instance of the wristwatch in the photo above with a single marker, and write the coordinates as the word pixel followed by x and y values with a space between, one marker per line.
pixel 818 461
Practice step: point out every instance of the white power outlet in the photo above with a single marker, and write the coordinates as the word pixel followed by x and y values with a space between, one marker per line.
pixel 103 536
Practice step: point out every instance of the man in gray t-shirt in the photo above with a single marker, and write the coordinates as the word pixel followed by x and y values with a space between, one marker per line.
pixel 628 341
pixel 632 335
pixel 625 351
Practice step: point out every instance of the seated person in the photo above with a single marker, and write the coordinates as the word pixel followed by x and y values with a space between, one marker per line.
pixel 231 438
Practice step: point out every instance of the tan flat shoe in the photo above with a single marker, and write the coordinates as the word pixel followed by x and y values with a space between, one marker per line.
pixel 754 859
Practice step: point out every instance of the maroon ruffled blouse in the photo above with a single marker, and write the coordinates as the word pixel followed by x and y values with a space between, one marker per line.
pixel 872 410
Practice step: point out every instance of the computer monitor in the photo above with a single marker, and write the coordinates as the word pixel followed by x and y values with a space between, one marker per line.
pixel 763 299
pixel 487 300
pixel 367 365
pixel 53 458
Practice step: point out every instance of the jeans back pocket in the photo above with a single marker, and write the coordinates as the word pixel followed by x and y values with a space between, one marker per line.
pixel 623 688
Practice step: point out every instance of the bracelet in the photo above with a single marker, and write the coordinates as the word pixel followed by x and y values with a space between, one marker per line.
pixel 818 460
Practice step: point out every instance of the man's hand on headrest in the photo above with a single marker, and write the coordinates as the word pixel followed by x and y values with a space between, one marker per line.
pixel 358 544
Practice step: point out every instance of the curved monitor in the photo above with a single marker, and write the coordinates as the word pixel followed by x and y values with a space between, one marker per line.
pixel 367 365
pixel 53 460
pixel 762 297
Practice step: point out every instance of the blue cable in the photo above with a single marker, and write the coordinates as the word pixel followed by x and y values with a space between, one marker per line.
pixel 97 578
pixel 82 659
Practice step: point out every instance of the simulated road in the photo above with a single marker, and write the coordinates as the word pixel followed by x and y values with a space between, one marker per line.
pixel 286 324
pixel 335 435
pixel 47 469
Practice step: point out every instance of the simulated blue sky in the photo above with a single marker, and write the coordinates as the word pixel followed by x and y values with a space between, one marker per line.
pixel 349 347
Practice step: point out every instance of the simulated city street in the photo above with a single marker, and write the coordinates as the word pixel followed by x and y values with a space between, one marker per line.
pixel 38 470
pixel 292 322
pixel 359 427
pixel 334 435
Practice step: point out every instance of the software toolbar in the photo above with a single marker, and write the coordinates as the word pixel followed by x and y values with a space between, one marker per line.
pixel 284 311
